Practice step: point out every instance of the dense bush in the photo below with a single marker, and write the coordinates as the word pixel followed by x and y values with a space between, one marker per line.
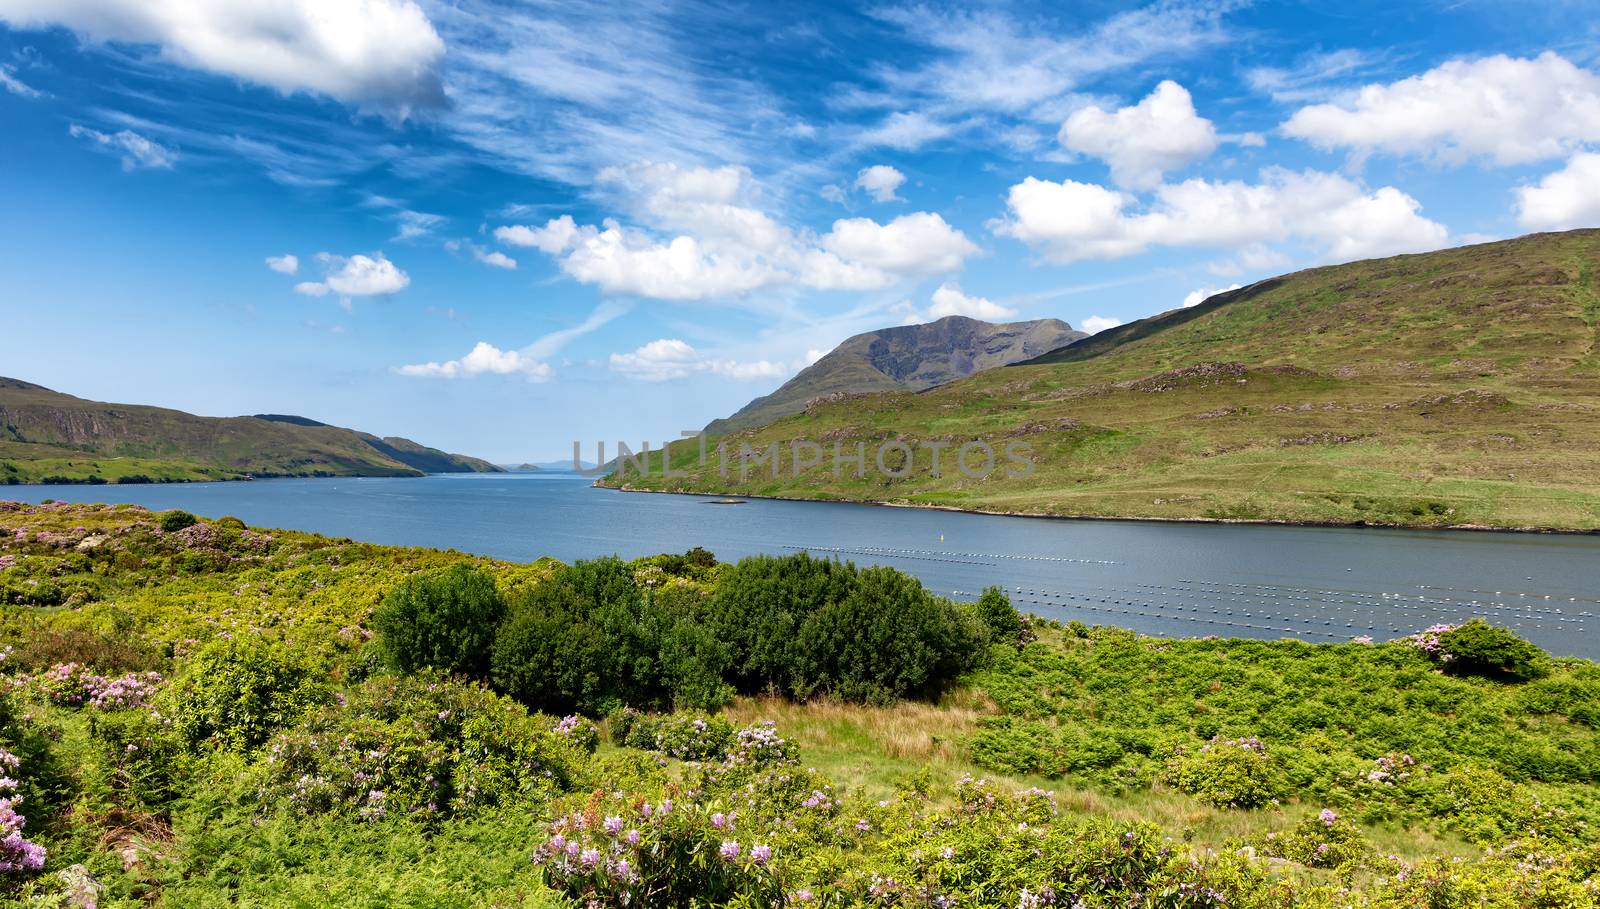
pixel 1227 773
pixel 237 693
pixel 1005 623
pixel 441 620
pixel 1478 648
pixel 174 521
pixel 420 745
pixel 808 627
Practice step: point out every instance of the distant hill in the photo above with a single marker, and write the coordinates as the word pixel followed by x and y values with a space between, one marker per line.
pixel 49 436
pixel 904 358
pixel 1453 388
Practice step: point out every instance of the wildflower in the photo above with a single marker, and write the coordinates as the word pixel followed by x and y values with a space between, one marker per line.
pixel 729 850
pixel 863 826
pixel 1327 817
pixel 760 854
pixel 632 837
pixel 612 825
pixel 719 820
pixel 590 858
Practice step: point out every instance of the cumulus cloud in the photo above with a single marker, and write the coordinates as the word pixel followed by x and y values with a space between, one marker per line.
pixel 704 238
pixel 948 300
pixel 1507 109
pixel 136 150
pixel 1096 324
pixel 1068 221
pixel 484 358
pixel 382 52
pixel 672 358
pixel 1143 141
pixel 355 276
pixel 1201 294
pixel 286 264
pixel 1568 198
pixel 880 181
pixel 916 244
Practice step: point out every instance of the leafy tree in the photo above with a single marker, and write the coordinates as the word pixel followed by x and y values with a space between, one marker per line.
pixel 444 620
pixel 759 607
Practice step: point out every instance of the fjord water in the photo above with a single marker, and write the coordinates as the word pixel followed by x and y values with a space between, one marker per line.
pixel 1313 583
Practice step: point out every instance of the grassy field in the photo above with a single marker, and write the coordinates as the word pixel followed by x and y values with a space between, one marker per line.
pixel 1457 388
pixel 1121 770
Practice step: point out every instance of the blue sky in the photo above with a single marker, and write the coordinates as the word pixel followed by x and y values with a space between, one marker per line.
pixel 501 227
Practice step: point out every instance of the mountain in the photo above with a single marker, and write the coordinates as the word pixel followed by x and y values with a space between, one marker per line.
pixel 46 435
pixel 904 358
pixel 1452 388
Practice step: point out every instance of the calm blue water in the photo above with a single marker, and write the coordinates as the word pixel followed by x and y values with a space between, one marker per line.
pixel 1317 584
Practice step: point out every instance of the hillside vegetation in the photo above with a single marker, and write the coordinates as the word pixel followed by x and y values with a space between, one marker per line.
pixel 46 436
pixel 904 358
pixel 198 713
pixel 1454 388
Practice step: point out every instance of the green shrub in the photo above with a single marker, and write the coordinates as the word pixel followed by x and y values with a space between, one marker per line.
pixel 441 620
pixel 1004 622
pixel 237 693
pixel 1478 648
pixel 1321 840
pixel 174 521
pixel 1227 773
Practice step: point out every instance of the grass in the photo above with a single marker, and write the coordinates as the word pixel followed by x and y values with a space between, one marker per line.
pixel 1450 389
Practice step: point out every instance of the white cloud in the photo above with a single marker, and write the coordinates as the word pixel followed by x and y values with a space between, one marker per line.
pixel 915 244
pixel 1507 109
pixel 833 193
pixel 1568 198
pixel 1096 324
pixel 10 82
pixel 492 257
pixel 948 300
pixel 286 264
pixel 355 276
pixel 414 224
pixel 880 181
pixel 1068 221
pixel 378 51
pixel 1201 294
pixel 1143 141
pixel 483 358
pixel 716 244
pixel 529 361
pixel 906 131
pixel 671 358
pixel 136 150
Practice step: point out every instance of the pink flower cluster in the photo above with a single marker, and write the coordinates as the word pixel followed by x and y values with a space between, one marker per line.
pixel 17 855
pixel 1427 640
pixel 75 685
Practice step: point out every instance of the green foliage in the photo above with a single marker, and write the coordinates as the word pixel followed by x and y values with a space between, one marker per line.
pixel 441 620
pixel 1227 773
pixel 1478 648
pixel 1321 840
pixel 809 627
pixel 423 746
pixel 174 521
pixel 1003 619
pixel 236 693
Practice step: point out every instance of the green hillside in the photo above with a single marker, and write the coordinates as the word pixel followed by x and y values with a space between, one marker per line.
pixel 1454 388
pixel 48 436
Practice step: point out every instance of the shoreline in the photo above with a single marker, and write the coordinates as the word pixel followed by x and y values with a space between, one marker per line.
pixel 1261 522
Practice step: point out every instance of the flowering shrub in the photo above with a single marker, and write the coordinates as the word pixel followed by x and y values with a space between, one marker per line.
pixel 1228 773
pixel 687 737
pixel 1321 840
pixel 580 731
pixel 17 855
pixel 418 746
pixel 75 685
pixel 760 745
pixel 1478 648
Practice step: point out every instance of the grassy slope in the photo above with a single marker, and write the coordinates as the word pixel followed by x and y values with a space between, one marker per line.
pixel 46 434
pixel 217 848
pixel 1447 389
